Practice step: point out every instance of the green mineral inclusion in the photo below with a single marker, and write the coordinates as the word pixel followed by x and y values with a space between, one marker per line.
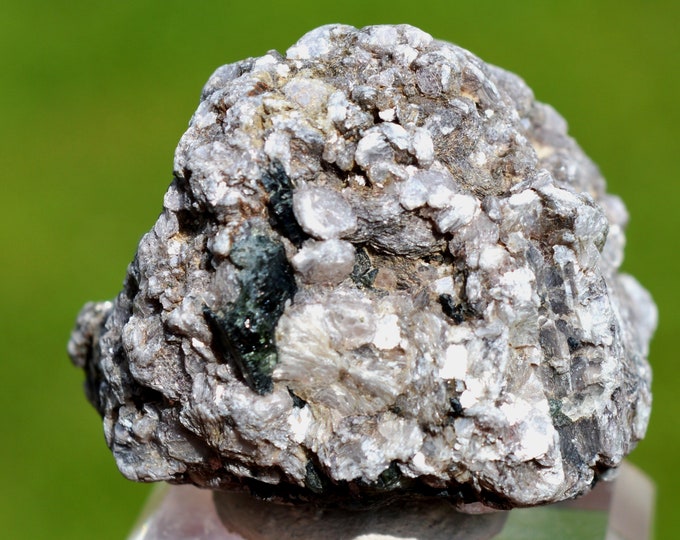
pixel 245 330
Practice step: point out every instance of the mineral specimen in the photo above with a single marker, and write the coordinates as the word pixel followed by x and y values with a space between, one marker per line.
pixel 382 270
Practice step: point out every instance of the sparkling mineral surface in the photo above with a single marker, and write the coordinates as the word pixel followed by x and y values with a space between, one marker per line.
pixel 382 270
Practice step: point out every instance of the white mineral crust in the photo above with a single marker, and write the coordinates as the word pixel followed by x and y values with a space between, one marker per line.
pixel 382 270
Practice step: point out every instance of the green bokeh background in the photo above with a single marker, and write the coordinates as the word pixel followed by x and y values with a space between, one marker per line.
pixel 93 99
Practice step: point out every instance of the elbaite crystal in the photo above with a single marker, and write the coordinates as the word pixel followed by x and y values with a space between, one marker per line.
pixel 382 270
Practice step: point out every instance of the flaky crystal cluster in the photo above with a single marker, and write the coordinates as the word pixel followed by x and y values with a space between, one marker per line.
pixel 382 270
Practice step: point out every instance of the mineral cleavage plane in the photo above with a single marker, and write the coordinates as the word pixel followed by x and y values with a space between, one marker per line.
pixel 382 270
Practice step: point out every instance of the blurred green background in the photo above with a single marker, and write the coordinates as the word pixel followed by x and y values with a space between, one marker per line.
pixel 93 99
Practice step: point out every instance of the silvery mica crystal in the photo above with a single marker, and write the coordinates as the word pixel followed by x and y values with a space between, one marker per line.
pixel 382 270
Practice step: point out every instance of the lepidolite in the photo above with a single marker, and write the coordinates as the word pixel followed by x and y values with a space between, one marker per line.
pixel 382 270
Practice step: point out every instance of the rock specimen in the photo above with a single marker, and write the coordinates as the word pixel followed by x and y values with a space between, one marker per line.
pixel 382 270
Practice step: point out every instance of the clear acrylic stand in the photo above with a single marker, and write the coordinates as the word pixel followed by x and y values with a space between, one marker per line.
pixel 617 510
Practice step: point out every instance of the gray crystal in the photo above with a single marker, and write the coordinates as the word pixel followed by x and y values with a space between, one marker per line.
pixel 382 270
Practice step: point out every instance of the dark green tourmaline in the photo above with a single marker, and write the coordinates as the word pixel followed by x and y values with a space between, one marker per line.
pixel 280 204
pixel 245 329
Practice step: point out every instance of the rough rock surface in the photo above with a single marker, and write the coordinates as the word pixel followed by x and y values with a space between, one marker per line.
pixel 383 269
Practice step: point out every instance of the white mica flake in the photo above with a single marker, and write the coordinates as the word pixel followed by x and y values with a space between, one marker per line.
pixel 299 421
pixel 329 261
pixel 203 118
pixel 492 257
pixel 311 94
pixel 444 285
pixel 518 284
pixel 388 115
pixel 379 37
pixel 458 334
pixel 405 54
pixel 562 201
pixel 419 464
pixel 221 243
pixel 396 135
pixel 523 198
pixel 596 320
pixel 282 70
pixel 454 363
pixel 350 321
pixel 358 180
pixel 642 305
pixel 264 62
pixel 413 193
pixel 387 332
pixel 337 107
pixel 373 147
pixel 323 213
pixel 460 211
pixel 423 147
pixel 563 256
pixel 591 225
pixel 313 44
pixel 473 393
pixel 533 421
pixel 439 196
pixel 478 158
pixel 304 347
pixel 277 147
pixel 432 187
